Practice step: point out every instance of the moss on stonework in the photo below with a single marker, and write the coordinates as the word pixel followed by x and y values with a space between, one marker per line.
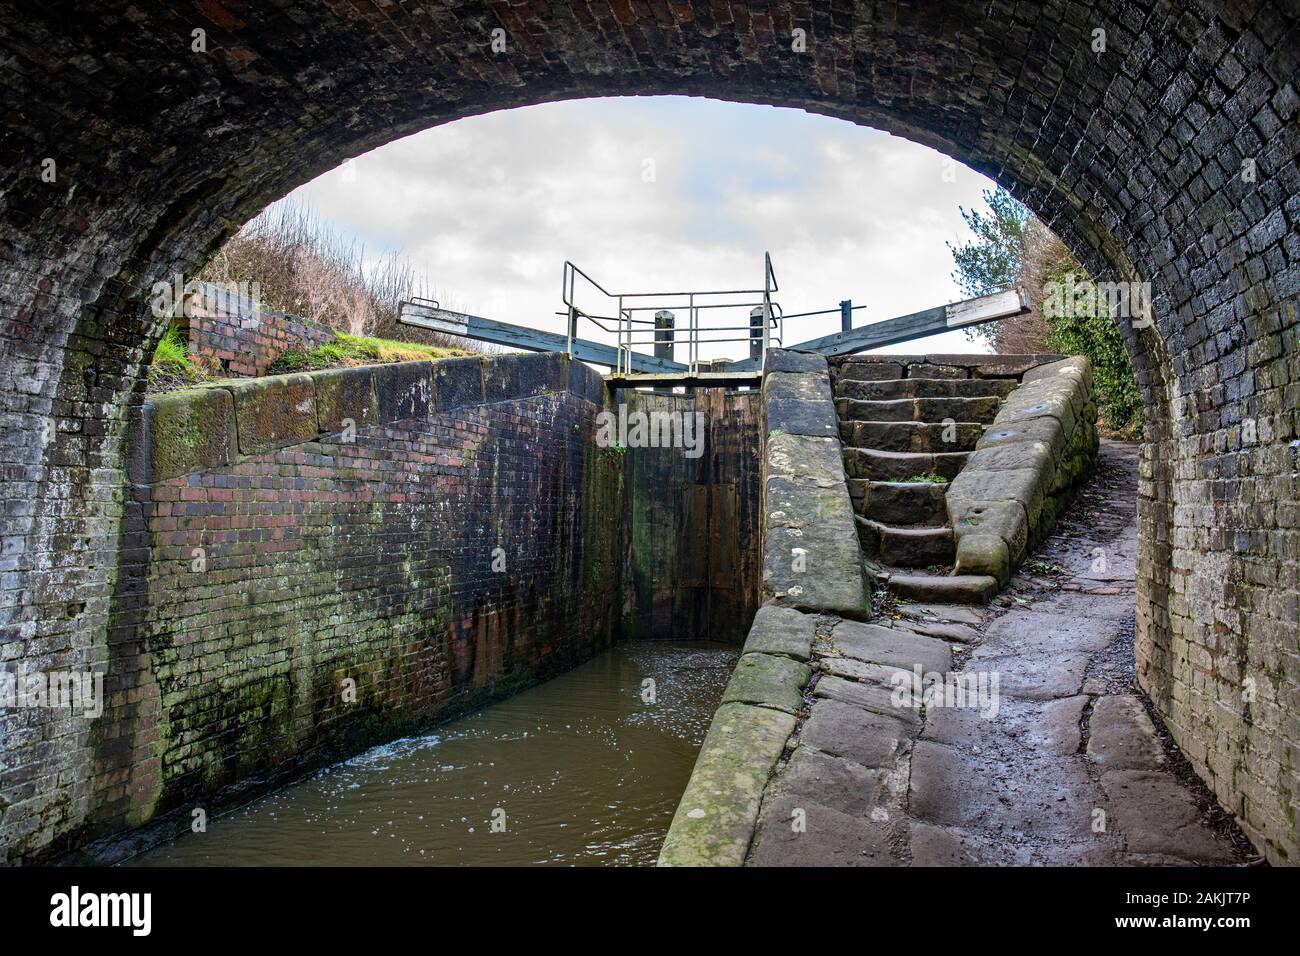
pixel 189 430
pixel 266 705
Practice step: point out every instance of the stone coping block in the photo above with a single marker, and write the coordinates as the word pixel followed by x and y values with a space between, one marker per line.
pixel 458 383
pixel 404 390
pixel 1073 366
pixel 715 820
pixel 797 387
pixel 803 456
pixel 343 395
pixel 802 418
pixel 787 360
pixel 768 680
pixel 1026 487
pixel 523 375
pixel 781 630
pixel 1045 430
pixel 1002 501
pixel 274 412
pixel 180 432
pixel 1060 400
pixel 213 425
pixel 811 557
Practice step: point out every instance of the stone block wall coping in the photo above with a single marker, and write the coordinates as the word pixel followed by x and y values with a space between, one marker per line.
pixel 945 365
pixel 218 424
pixel 1041 442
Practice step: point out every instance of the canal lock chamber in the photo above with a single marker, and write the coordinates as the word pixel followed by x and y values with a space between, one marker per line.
pixel 632 570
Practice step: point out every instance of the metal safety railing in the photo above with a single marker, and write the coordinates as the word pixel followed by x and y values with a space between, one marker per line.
pixel 653 319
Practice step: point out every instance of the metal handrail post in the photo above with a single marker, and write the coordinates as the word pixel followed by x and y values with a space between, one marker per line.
pixel 767 304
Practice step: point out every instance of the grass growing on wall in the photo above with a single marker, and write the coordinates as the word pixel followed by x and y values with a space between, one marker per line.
pixel 359 350
pixel 172 353
pixel 171 366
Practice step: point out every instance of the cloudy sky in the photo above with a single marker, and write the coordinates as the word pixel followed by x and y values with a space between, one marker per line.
pixel 650 193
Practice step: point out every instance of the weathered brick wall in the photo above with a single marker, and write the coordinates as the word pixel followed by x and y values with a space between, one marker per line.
pixel 1168 157
pixel 239 337
pixel 692 523
pixel 1219 650
pixel 462 542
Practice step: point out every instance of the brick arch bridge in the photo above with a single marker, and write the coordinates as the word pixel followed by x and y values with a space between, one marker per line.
pixel 1171 156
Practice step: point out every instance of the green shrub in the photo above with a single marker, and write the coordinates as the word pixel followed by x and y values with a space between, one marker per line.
pixel 1011 247
pixel 1087 328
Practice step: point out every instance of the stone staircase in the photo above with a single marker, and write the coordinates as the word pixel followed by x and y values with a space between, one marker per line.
pixel 904 440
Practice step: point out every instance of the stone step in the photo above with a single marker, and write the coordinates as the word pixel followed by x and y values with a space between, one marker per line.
pixel 900 502
pixel 912 436
pixel 982 410
pixel 876 465
pixel 943 589
pixel 924 388
pixel 867 371
pixel 906 547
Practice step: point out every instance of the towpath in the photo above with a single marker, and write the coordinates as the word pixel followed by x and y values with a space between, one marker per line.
pixel 1067 769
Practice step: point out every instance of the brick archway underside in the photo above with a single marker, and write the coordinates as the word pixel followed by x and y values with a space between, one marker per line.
pixel 1134 156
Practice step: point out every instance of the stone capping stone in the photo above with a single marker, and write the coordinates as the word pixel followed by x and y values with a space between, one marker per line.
pixel 768 680
pixel 782 630
pixel 179 432
pixel 806 507
pixel 214 426
pixel 811 557
pixel 715 820
pixel 1042 442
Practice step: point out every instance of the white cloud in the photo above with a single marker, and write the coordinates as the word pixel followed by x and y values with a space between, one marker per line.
pixel 490 207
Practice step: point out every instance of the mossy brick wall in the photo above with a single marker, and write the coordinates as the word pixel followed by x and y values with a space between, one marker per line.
pixel 1170 157
pixel 233 333
pixel 263 571
pixel 692 524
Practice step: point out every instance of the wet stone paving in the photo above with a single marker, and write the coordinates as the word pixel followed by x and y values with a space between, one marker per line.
pixel 1052 756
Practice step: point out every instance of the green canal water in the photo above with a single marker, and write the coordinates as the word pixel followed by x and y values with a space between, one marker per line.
pixel 581 770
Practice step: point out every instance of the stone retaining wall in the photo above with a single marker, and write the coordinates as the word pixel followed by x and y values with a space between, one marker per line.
pixel 1041 445
pixel 318 562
